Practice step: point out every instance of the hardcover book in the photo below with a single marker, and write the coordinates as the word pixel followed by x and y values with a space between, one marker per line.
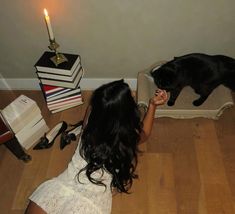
pixel 69 97
pixel 57 90
pixel 65 107
pixel 50 89
pixel 44 64
pixel 59 96
pixel 19 112
pixel 65 102
pixel 66 84
pixel 59 76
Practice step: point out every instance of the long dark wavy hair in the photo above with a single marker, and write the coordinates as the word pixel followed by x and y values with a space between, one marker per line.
pixel 109 140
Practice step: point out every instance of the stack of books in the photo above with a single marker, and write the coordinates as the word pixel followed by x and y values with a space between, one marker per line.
pixel 60 84
pixel 25 119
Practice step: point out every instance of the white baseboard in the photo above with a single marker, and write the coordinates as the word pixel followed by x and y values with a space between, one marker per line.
pixel 86 83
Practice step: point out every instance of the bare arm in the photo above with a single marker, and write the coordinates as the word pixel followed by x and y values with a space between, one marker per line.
pixel 159 99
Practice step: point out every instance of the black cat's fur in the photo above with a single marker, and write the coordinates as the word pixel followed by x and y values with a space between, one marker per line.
pixel 200 71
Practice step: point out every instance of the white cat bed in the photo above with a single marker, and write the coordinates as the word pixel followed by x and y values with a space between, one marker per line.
pixel 213 107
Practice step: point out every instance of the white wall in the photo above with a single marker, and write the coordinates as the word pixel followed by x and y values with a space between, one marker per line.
pixel 116 38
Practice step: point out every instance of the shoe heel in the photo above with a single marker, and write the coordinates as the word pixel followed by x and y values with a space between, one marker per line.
pixel 48 140
pixel 71 134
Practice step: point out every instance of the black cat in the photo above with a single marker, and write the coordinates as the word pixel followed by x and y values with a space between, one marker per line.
pixel 200 71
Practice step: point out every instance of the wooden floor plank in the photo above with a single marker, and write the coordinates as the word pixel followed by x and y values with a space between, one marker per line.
pixel 154 191
pixel 212 172
pixel 10 175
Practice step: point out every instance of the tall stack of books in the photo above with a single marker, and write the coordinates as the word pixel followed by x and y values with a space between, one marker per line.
pixel 60 84
pixel 25 119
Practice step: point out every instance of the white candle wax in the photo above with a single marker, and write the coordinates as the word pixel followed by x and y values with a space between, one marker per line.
pixel 48 23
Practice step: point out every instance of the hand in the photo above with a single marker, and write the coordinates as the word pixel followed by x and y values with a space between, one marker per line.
pixel 160 98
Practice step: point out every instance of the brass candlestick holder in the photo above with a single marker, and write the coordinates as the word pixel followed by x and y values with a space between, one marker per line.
pixel 59 57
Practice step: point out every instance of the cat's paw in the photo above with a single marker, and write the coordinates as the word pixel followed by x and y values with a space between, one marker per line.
pixel 170 103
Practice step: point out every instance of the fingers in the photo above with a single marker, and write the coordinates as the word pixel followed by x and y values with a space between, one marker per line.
pixel 160 97
pixel 161 93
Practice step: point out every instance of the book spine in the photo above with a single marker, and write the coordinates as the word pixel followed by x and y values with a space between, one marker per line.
pixel 59 76
pixel 65 84
pixel 58 93
pixel 57 105
pixel 64 99
pixel 66 107
pixel 52 91
pixel 65 94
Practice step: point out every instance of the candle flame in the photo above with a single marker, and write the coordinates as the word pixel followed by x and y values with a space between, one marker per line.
pixel 45 12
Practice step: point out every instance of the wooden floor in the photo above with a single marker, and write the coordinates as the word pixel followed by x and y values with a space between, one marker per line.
pixel 188 166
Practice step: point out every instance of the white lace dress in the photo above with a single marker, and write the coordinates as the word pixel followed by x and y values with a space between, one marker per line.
pixel 65 195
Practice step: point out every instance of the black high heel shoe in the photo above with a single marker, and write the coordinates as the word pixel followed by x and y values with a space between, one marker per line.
pixel 71 134
pixel 48 140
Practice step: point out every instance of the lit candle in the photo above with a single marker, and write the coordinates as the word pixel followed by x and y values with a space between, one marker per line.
pixel 48 23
